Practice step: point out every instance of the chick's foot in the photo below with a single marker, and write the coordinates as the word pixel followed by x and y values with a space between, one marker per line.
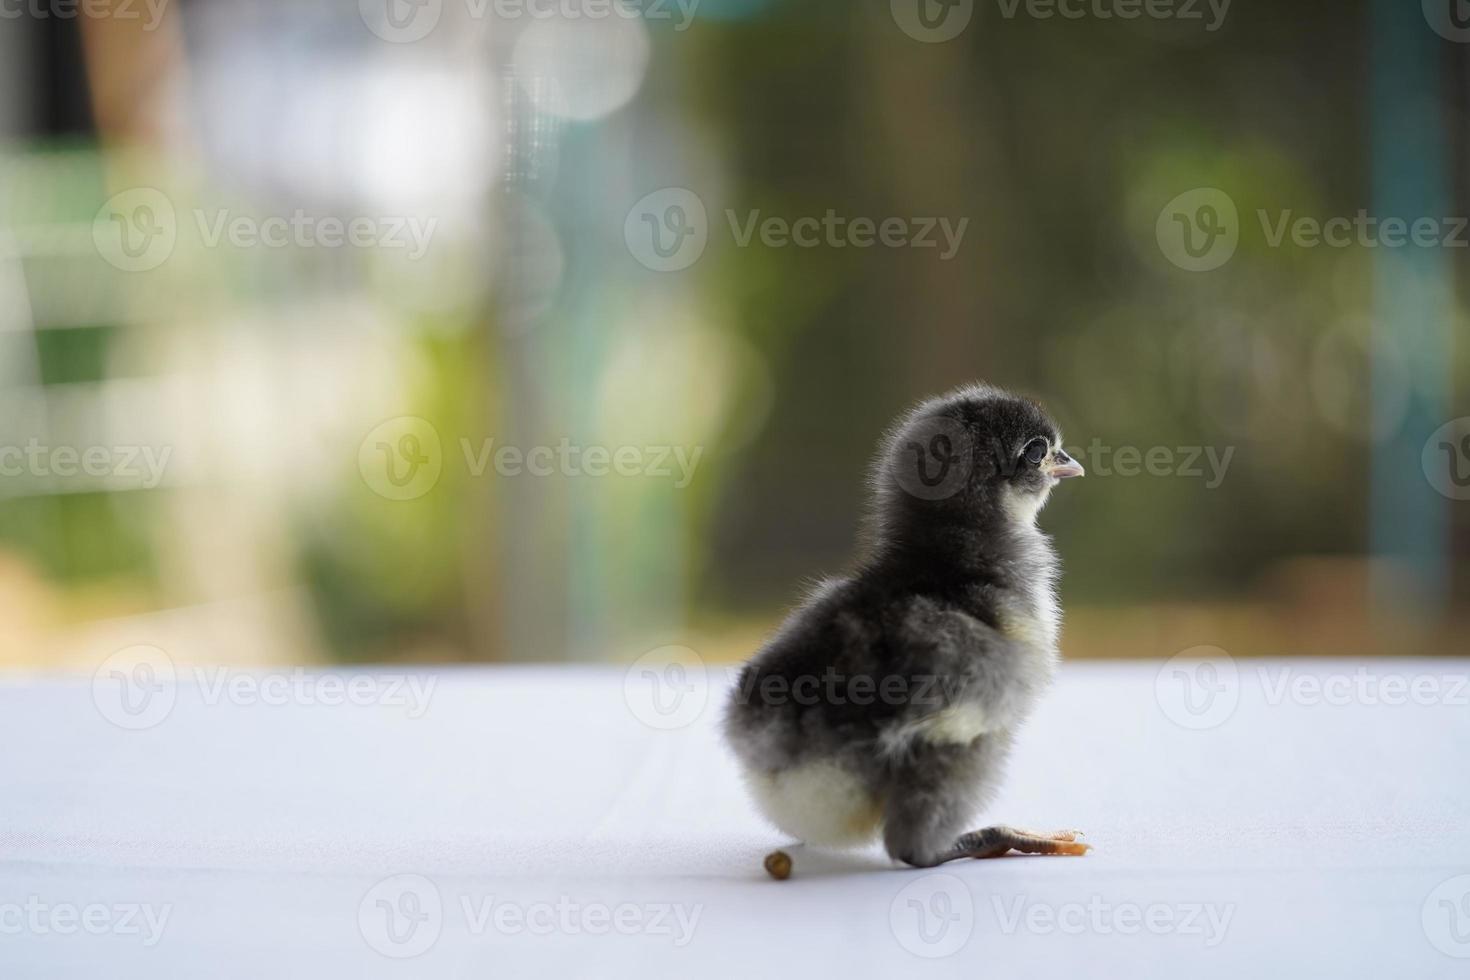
pixel 995 841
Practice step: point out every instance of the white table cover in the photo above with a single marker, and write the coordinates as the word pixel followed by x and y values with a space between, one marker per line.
pixel 528 822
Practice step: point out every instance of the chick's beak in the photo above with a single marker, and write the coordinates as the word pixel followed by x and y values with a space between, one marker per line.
pixel 1061 466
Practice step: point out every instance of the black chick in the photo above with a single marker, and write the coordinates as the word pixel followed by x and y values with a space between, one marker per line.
pixel 887 701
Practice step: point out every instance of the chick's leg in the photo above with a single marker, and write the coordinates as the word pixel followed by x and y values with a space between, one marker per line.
pixel 933 795
pixel 995 841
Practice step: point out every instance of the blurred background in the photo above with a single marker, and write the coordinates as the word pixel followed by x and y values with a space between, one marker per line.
pixel 561 330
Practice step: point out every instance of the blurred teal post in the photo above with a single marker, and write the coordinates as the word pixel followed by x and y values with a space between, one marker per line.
pixel 1413 305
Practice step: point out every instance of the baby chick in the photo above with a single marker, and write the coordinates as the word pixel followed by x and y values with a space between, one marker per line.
pixel 886 703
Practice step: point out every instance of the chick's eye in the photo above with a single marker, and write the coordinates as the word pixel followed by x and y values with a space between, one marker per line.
pixel 1035 451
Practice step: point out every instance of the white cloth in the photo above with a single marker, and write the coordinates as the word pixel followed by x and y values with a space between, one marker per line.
pixel 547 831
